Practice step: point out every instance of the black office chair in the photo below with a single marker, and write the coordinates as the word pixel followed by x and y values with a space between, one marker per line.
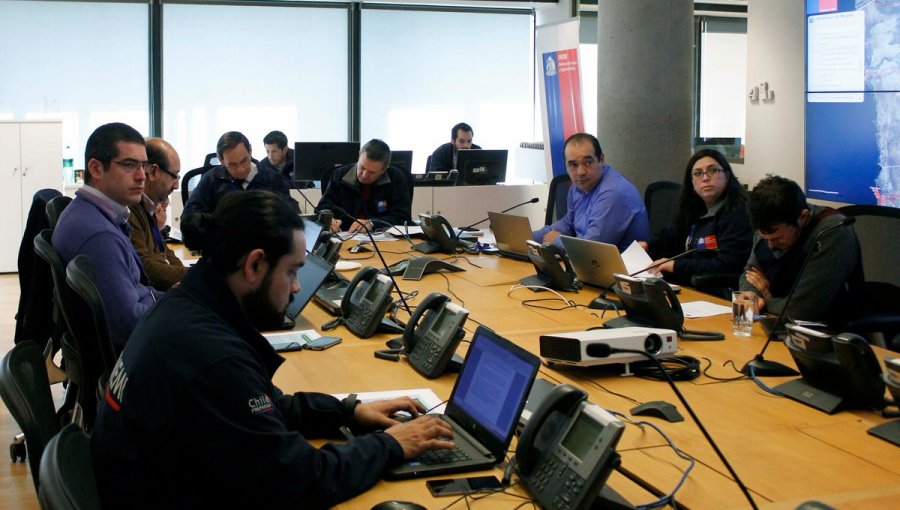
pixel 557 200
pixel 25 390
pixel 190 180
pixel 876 228
pixel 67 473
pixel 407 174
pixel 55 209
pixel 211 160
pixel 660 199
pixel 34 287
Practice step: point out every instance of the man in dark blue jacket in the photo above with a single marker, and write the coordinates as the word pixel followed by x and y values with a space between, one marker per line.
pixel 444 157
pixel 190 417
pixel 237 172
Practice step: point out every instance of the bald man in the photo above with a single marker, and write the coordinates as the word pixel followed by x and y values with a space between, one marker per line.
pixel 162 266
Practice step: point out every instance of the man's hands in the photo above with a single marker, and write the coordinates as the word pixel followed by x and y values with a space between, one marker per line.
pixel 422 434
pixel 335 225
pixel 378 414
pixel 360 225
pixel 551 236
pixel 756 278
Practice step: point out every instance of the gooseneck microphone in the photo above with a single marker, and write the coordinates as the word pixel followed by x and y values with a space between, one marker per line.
pixel 601 350
pixel 759 366
pixel 470 228
pixel 387 269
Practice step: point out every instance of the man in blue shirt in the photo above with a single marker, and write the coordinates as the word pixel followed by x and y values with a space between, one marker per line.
pixel 95 224
pixel 602 204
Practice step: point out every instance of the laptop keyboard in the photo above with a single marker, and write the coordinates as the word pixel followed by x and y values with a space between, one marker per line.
pixel 432 457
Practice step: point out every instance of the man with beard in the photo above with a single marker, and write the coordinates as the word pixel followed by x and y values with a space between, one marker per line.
pixel 191 417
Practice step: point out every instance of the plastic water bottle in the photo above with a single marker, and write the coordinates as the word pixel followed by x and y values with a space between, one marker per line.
pixel 68 166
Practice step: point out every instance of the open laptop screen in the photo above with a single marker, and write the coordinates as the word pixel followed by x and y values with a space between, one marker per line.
pixel 311 276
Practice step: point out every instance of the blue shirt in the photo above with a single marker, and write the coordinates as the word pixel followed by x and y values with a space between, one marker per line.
pixel 613 213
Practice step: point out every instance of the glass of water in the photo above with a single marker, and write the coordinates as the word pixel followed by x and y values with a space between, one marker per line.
pixel 742 312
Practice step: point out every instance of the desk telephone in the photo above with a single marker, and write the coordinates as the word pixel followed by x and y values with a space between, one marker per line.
pixel 439 236
pixel 431 345
pixel 362 308
pixel 567 450
pixel 329 249
pixel 552 266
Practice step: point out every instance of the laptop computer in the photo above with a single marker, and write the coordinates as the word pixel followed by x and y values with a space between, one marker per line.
pixel 483 409
pixel 594 262
pixel 311 275
pixel 511 232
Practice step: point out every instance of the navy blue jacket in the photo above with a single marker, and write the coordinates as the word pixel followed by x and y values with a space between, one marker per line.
pixel 389 200
pixel 191 418
pixel 217 183
pixel 287 172
pixel 442 158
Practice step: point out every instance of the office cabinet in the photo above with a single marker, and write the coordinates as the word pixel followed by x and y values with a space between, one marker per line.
pixel 30 160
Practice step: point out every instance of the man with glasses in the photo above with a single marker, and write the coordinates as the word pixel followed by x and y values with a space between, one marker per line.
pixel 787 227
pixel 238 172
pixel 602 205
pixel 96 225
pixel 162 266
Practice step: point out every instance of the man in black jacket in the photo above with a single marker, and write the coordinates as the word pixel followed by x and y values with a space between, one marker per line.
pixel 369 189
pixel 190 417
pixel 444 157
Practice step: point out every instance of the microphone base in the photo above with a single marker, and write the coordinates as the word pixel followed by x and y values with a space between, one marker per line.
pixel 762 367
pixel 602 303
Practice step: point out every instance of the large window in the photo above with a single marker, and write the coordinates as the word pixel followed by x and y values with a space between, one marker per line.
pixel 424 71
pixel 722 84
pixel 84 63
pixel 253 69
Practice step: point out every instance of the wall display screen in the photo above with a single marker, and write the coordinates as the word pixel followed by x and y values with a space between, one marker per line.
pixel 853 101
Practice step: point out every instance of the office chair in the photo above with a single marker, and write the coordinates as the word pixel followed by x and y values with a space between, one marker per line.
pixel 67 474
pixel 190 180
pixel 407 174
pixel 55 208
pixel 25 389
pixel 557 200
pixel 660 199
pixel 876 227
pixel 34 286
pixel 211 160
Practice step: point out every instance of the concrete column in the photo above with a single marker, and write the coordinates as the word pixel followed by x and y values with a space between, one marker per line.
pixel 645 61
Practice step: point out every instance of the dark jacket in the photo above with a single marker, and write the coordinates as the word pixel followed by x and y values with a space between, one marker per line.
pixel 727 229
pixel 191 418
pixel 442 158
pixel 389 200
pixel 287 172
pixel 217 183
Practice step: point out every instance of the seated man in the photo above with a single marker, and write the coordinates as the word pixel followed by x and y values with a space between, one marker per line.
pixel 96 224
pixel 202 386
pixel 279 157
pixel 602 204
pixel 237 172
pixel 369 189
pixel 162 266
pixel 786 226
pixel 444 157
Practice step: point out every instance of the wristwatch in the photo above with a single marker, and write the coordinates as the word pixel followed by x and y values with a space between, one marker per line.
pixel 348 408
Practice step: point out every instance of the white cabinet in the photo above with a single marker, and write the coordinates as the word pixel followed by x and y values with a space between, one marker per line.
pixel 30 160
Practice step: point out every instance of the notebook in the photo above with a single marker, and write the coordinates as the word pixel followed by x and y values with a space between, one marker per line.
pixel 511 232
pixel 311 275
pixel 483 409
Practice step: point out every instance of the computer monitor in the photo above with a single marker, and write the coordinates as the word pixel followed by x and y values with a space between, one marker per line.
pixel 314 161
pixel 479 167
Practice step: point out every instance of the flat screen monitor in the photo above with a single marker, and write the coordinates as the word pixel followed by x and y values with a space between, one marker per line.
pixel 478 167
pixel 314 161
pixel 402 160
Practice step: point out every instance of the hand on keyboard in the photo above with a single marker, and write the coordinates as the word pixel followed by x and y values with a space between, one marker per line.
pixel 422 434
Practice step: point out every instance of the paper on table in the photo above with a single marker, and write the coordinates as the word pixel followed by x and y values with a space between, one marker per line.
pixel 301 337
pixel 697 309
pixel 636 258
pixel 424 396
pixel 412 230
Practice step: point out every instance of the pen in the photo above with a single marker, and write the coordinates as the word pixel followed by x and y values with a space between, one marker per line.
pixel 346 431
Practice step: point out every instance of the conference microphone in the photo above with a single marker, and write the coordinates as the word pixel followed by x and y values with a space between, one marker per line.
pixel 470 227
pixel 759 366
pixel 297 188
pixel 339 210
pixel 601 302
pixel 601 350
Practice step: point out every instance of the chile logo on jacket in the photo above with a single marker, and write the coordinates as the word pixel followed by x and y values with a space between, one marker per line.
pixel 261 404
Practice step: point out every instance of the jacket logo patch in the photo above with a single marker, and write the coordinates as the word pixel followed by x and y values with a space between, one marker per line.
pixel 261 404
pixel 382 206
pixel 115 388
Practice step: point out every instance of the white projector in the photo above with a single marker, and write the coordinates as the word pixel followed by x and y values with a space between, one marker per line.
pixel 572 348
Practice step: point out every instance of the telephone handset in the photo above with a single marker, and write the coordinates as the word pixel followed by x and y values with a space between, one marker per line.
pixel 430 345
pixel 552 266
pixel 567 450
pixel 362 308
pixel 439 235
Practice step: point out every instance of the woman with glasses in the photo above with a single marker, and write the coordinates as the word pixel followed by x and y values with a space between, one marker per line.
pixel 711 218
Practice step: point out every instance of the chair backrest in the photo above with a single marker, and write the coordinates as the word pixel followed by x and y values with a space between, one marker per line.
pixel 660 199
pixel 211 160
pixel 190 181
pixel 875 228
pixel 67 474
pixel 25 389
pixel 407 174
pixel 55 208
pixel 45 251
pixel 557 205
pixel 34 305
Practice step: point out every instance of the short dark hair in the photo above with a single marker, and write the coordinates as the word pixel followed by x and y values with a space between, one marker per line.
pixel 241 223
pixel 776 200
pixel 585 138
pixel 462 126
pixel 101 145
pixel 276 137
pixel 377 150
pixel 231 140
pixel 691 206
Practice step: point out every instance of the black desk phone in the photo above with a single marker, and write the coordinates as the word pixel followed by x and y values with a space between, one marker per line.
pixel 552 267
pixel 430 345
pixel 567 450
pixel 329 249
pixel 362 308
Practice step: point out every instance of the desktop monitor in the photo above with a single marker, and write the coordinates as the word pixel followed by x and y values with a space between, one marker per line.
pixel 314 161
pixel 478 167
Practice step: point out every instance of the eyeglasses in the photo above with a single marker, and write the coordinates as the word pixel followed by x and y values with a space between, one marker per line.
pixel 710 172
pixel 240 164
pixel 130 165
pixel 167 172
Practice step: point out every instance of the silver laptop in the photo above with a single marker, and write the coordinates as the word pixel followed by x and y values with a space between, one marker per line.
pixel 483 409
pixel 511 232
pixel 594 262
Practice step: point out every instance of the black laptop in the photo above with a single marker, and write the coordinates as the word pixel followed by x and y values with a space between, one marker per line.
pixel 483 409
pixel 311 275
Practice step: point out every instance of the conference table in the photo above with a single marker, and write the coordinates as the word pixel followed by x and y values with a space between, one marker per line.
pixel 785 453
